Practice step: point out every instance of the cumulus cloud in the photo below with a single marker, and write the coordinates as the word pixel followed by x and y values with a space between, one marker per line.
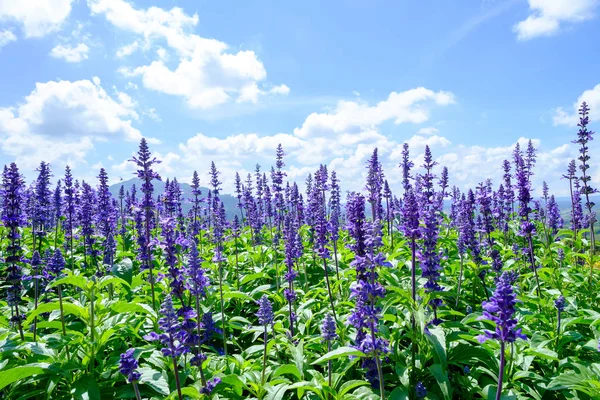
pixel 71 54
pixel 62 119
pixel 352 116
pixel 547 16
pixel 570 118
pixel 430 130
pixel 6 36
pixel 38 19
pixel 208 73
pixel 343 137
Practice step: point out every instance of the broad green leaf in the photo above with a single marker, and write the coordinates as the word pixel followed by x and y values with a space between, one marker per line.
pixel 339 353
pixel 15 374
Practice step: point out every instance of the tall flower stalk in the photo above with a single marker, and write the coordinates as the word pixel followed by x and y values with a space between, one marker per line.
pixel 128 366
pixel 265 318
pixel 367 290
pixel 218 228
pixel 328 335
pixel 13 219
pixel 584 136
pixel 501 310
pixel 146 174
pixel 173 337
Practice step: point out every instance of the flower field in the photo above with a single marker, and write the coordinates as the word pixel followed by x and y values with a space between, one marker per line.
pixel 413 291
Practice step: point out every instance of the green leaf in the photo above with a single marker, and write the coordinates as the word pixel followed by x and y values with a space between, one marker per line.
pixel 76 280
pixel 348 386
pixel 442 379
pixel 155 380
pixel 339 353
pixel 288 369
pixel 399 393
pixel 437 338
pixel 123 307
pixel 15 374
pixel 124 270
pixel 86 388
pixel 277 392
pixel 68 308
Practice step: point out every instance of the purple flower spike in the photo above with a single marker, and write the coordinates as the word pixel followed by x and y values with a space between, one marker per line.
pixel 128 366
pixel 501 309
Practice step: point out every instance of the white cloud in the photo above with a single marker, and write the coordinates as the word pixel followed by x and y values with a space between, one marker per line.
pixel 571 118
pixel 430 130
pixel 281 89
pixel 547 16
pixel 71 54
pixel 128 49
pixel 38 17
pixel 6 37
pixel 346 143
pixel 208 73
pixel 352 116
pixel 62 119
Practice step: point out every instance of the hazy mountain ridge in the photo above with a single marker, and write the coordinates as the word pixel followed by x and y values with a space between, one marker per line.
pixel 230 202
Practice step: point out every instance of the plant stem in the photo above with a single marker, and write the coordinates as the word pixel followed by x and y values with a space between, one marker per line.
pixel 501 372
pixel 460 276
pixel 137 391
pixel 413 245
pixel 176 372
pixel 222 308
pixel 329 290
pixel 262 379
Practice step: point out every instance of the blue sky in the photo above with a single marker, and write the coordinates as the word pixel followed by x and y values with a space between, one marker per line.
pixel 82 81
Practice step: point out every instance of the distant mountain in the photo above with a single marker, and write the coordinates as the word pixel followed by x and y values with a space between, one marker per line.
pixel 229 201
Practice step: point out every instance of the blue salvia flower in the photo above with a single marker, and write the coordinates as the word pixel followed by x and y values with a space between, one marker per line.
pixel 170 252
pixel 277 175
pixel 57 204
pixel 239 193
pixel 55 265
pixel 328 329
pixel 43 201
pixel 584 136
pixel 105 212
pixel 198 282
pixel 425 181
pixel 328 334
pixel 265 311
pixel 335 214
pixel 406 166
pixel 146 174
pixel 509 194
pixel 13 219
pixel 576 209
pixel 374 185
pixel 555 220
pixel 128 366
pixel 265 318
pixel 421 390
pixel 210 386
pixel 291 242
pixel 123 229
pixel 501 310
pixel 560 303
pixel 70 207
pixel 173 337
pixel 366 290
pixel 87 212
pixel 196 205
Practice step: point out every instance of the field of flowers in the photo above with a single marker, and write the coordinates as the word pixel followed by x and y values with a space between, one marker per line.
pixel 419 291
